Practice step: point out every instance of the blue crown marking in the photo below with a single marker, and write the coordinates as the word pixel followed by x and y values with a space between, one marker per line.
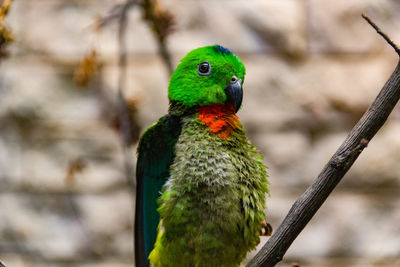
pixel 223 49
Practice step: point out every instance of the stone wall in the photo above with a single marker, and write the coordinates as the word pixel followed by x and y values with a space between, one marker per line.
pixel 313 67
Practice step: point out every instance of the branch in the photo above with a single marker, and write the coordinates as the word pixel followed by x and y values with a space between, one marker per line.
pixel 162 23
pixel 308 204
pixel 381 33
pixel 125 124
pixel 116 13
pixel 160 20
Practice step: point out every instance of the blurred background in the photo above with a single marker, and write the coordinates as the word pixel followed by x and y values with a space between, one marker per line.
pixel 80 80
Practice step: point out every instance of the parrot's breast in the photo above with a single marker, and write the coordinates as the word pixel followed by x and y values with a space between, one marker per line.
pixel 213 204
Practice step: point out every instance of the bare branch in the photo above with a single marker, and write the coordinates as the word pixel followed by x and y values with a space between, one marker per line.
pixel 381 33
pixel 126 127
pixel 116 13
pixel 162 23
pixel 308 204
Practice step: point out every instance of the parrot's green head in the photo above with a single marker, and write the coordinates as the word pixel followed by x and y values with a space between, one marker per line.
pixel 208 75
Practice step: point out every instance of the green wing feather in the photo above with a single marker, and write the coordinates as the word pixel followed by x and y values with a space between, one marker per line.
pixel 156 153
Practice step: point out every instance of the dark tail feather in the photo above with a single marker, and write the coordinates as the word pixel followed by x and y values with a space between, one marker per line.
pixel 140 255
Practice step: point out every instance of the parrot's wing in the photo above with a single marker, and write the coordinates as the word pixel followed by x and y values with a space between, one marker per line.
pixel 156 153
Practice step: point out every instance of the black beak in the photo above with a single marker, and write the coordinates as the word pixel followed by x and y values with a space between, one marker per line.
pixel 234 94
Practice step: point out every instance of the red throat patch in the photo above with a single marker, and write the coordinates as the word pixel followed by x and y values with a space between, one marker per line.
pixel 219 118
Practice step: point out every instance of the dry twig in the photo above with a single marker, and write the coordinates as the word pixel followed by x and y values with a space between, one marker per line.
pixel 380 32
pixel 161 22
pixel 127 127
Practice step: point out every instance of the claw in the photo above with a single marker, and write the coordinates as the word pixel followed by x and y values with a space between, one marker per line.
pixel 266 229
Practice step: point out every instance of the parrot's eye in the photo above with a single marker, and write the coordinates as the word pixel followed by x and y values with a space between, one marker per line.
pixel 204 68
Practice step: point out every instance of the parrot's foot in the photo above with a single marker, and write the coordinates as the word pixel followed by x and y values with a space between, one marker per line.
pixel 266 229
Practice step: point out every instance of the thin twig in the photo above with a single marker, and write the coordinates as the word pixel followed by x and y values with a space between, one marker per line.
pixel 311 200
pixel 162 22
pixel 166 56
pixel 124 121
pixel 381 33
pixel 126 128
pixel 116 13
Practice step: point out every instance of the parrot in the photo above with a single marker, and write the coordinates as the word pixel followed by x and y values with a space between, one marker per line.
pixel 201 185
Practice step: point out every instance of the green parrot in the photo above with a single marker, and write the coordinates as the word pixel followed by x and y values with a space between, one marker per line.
pixel 201 184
